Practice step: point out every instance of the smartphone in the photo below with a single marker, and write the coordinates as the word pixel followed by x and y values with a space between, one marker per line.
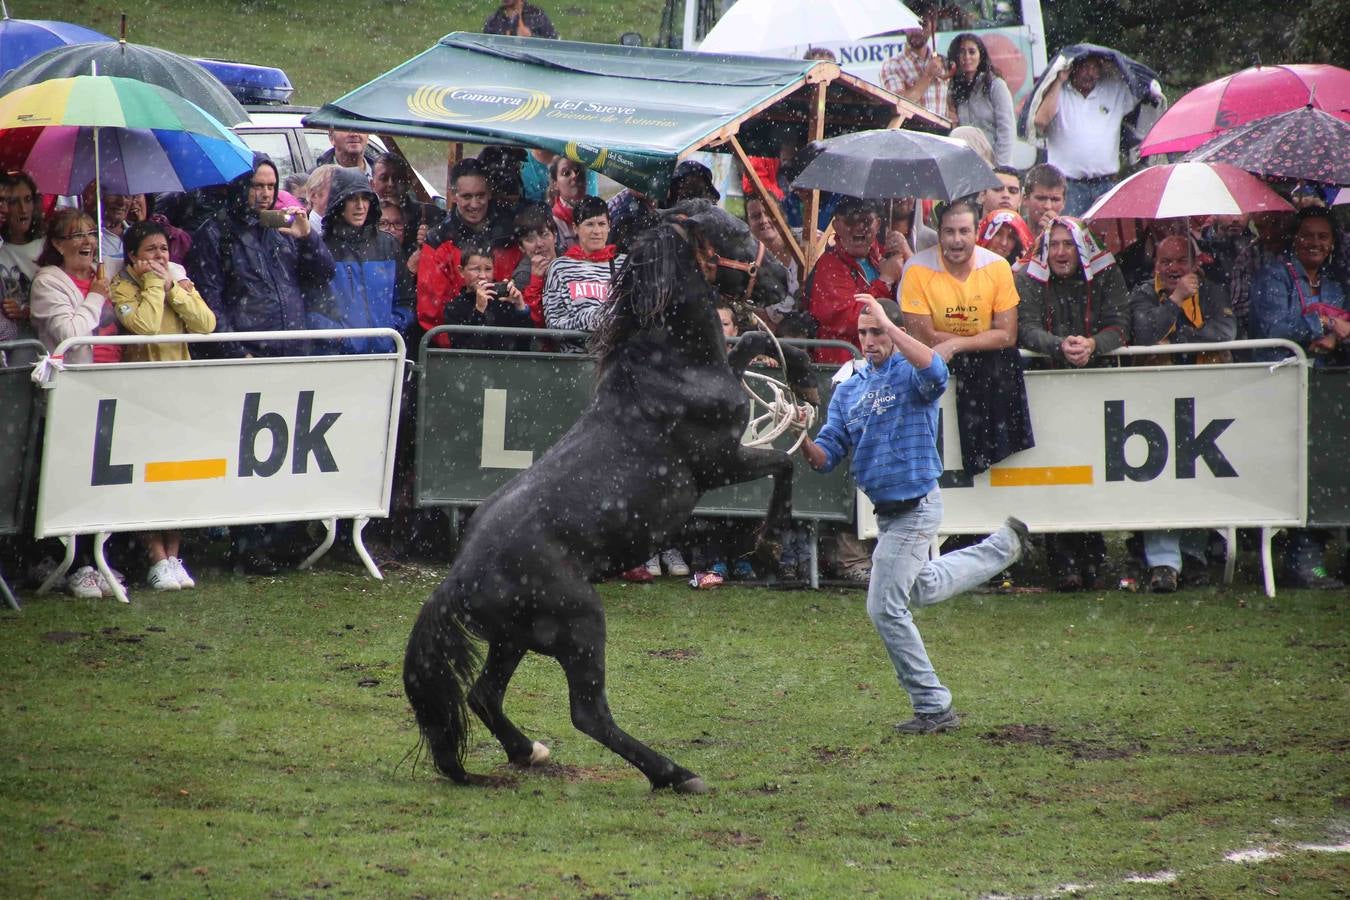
pixel 501 289
pixel 276 218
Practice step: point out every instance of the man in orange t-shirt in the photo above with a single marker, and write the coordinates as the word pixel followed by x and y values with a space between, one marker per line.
pixel 959 297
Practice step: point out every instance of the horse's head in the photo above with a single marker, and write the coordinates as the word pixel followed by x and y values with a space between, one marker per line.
pixel 731 258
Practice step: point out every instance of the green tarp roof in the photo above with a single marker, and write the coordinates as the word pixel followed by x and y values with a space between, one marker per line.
pixel 629 112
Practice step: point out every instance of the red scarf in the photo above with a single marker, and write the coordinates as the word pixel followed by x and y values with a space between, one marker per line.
pixel 604 254
pixel 563 211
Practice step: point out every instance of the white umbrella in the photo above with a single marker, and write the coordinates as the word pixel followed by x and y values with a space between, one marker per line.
pixel 757 27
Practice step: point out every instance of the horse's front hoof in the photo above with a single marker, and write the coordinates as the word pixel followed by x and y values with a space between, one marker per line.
pixel 694 785
pixel 538 756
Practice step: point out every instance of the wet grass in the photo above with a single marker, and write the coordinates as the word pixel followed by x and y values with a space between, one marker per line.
pixel 251 738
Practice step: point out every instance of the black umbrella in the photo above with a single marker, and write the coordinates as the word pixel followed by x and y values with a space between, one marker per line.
pixel 1307 144
pixel 119 58
pixel 882 165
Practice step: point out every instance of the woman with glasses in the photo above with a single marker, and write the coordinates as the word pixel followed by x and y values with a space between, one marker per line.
pixel 70 299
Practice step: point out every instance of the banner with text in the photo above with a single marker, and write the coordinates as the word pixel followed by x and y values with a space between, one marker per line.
pixel 134 447
pixel 1151 447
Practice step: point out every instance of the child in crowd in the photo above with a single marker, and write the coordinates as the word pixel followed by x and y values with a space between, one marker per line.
pixel 484 302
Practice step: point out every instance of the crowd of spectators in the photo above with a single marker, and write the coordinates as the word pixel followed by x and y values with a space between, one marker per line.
pixel 528 242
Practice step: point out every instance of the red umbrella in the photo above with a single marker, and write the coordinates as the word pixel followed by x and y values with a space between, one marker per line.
pixel 1187 189
pixel 1250 94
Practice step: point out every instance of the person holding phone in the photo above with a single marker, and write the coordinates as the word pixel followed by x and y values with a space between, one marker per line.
pixel 484 302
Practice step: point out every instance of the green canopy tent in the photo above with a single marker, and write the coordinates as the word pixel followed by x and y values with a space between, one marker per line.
pixel 630 113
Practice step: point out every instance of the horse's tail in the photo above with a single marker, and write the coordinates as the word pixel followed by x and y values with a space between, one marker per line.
pixel 438 669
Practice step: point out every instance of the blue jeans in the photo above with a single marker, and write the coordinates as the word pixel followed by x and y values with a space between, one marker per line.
pixel 1167 548
pixel 1080 194
pixel 903 576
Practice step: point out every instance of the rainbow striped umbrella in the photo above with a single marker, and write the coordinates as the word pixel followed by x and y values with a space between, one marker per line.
pixel 127 136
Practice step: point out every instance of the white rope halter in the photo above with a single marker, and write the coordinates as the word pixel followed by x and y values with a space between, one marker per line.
pixel 780 410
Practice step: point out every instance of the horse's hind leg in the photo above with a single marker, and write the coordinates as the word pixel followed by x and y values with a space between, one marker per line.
pixel 486 701
pixel 583 661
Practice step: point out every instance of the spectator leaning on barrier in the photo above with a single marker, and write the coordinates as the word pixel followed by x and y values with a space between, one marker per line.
pixel 151 296
pixel 255 274
pixel 370 288
pixel 852 266
pixel 576 292
pixel 1074 309
pixel 886 417
pixel 1179 307
pixel 480 303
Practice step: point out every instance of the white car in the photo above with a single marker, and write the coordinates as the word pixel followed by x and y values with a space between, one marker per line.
pixel 276 131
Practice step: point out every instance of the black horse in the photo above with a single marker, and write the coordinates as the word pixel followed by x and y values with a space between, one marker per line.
pixel 664 426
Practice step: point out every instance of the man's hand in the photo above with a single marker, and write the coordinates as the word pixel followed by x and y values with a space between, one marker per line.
pixel 1187 285
pixel 947 349
pixel 871 307
pixel 483 295
pixel 936 67
pixel 1078 350
pixel 1047 220
pixel 299 227
pixel 539 263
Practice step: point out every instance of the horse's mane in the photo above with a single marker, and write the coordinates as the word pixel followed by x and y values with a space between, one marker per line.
pixel 659 268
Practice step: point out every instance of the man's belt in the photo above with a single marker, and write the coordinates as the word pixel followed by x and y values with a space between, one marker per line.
pixel 891 508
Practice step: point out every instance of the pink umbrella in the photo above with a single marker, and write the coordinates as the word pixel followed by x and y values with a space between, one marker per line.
pixel 1187 189
pixel 1243 96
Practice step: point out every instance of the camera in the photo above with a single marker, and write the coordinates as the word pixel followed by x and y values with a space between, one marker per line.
pixel 275 218
pixel 501 290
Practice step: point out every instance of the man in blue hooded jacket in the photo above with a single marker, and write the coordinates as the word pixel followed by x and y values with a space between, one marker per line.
pixel 886 415
pixel 255 277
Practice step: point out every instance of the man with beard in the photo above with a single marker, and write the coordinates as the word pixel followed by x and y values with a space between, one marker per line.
pixel 851 267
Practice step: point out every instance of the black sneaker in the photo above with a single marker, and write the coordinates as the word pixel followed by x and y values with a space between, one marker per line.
pixel 1162 580
pixel 930 723
pixel 1019 528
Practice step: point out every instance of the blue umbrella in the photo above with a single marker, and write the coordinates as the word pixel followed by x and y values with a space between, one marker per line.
pixel 22 39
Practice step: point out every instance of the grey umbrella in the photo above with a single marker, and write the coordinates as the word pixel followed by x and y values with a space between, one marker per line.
pixel 119 58
pixel 880 165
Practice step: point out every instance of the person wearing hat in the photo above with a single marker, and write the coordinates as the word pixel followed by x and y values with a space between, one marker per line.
pixel 852 266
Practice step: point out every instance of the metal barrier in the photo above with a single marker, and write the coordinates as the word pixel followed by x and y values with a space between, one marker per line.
pixel 127 450
pixel 1328 448
pixel 20 410
pixel 485 415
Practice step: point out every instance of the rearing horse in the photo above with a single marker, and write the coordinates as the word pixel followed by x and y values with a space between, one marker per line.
pixel 664 426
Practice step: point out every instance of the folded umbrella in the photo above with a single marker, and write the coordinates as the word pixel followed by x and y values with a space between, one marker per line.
pixel 1187 189
pixel 1306 144
pixel 885 164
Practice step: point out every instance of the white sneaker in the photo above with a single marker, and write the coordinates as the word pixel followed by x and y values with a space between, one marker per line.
pixel 653 566
pixel 103 582
pixel 181 573
pixel 162 576
pixel 674 562
pixel 84 584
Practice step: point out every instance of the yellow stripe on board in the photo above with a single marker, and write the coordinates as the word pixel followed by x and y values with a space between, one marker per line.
pixel 1039 476
pixel 185 470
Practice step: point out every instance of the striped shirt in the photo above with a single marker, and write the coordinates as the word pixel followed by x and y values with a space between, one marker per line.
pixel 576 295
pixel 888 418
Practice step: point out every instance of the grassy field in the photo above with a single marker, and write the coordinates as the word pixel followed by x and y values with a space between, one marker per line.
pixel 251 738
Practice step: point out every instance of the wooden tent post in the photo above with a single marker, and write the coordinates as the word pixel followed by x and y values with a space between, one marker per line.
pixel 771 205
pixel 815 130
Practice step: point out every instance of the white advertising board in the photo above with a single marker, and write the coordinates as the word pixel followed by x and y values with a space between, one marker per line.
pixel 132 447
pixel 1140 448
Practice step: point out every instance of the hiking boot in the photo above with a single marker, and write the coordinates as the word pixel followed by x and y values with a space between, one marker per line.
pixel 639 575
pixel 162 577
pixel 930 723
pixel 673 562
pixel 1019 528
pixel 180 572
pixel 653 566
pixel 84 584
pixel 1318 579
pixel 1162 580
